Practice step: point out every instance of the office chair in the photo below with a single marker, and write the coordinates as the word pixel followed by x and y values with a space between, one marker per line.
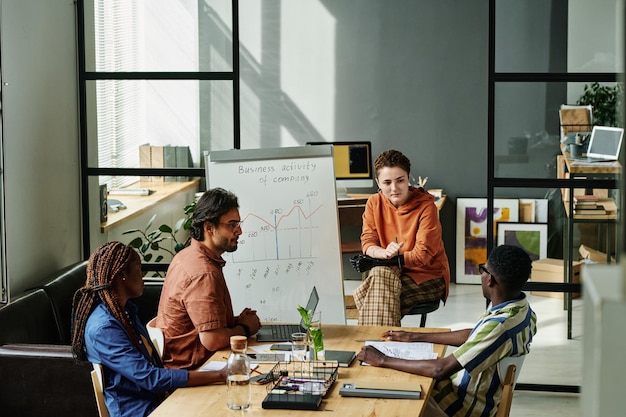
pixel 423 309
pixel 156 335
pixel 513 366
pixel 97 380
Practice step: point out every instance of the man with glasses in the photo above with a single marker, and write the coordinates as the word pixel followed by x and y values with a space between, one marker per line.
pixel 468 383
pixel 195 309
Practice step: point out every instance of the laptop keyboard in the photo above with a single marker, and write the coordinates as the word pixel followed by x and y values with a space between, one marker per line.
pixel 283 332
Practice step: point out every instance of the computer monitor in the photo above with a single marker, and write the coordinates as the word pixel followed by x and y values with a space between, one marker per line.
pixel 353 164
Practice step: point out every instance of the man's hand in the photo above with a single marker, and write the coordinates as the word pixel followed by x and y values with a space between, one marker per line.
pixel 250 319
pixel 398 336
pixel 372 356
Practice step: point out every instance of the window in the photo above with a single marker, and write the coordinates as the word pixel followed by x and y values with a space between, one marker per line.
pixel 157 72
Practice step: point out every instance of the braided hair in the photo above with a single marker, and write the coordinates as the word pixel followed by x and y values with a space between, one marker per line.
pixel 108 263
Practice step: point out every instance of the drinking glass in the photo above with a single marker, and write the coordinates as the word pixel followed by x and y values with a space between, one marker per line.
pixel 299 345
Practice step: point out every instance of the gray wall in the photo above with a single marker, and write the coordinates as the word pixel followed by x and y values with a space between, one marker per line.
pixel 40 135
pixel 410 75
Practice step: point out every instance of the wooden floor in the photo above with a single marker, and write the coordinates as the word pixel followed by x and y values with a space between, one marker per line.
pixel 553 359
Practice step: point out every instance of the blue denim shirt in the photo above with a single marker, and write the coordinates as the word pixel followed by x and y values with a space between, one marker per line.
pixel 133 386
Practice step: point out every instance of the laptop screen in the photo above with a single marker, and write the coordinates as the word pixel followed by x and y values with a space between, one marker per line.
pixel 605 142
pixel 311 304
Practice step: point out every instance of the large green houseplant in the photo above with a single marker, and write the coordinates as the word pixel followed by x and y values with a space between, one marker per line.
pixel 607 103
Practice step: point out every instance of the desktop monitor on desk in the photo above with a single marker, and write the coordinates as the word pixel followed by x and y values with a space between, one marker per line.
pixel 353 165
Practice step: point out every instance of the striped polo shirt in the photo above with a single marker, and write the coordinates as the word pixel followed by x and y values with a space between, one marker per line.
pixel 503 330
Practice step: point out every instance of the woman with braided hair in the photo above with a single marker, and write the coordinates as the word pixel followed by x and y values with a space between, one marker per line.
pixel 106 330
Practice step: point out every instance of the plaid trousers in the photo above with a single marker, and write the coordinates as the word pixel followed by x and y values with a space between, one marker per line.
pixel 386 296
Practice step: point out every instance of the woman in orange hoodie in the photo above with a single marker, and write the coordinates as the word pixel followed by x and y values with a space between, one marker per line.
pixel 402 237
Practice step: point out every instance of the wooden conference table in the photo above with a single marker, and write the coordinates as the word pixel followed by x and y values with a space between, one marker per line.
pixel 211 400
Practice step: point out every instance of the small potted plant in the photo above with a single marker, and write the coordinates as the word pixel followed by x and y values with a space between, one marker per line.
pixel 150 242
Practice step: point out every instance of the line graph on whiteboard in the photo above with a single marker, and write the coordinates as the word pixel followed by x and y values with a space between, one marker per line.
pixel 290 238
pixel 280 233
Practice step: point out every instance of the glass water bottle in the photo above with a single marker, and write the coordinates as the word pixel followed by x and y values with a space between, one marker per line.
pixel 238 380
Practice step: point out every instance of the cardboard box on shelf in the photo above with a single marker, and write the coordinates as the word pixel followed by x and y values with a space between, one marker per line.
pixel 551 270
pixel 593 255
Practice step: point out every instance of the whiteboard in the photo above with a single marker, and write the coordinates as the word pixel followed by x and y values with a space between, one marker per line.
pixel 290 240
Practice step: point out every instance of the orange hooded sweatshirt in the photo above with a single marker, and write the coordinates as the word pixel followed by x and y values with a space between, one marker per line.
pixel 416 223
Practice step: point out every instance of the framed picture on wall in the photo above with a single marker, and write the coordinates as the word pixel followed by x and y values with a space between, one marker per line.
pixel 532 237
pixel 471 229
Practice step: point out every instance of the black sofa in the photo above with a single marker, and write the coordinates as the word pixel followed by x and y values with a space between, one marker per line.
pixel 38 375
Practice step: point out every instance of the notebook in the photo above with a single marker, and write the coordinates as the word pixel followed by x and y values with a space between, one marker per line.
pixel 343 357
pixel 604 144
pixel 282 332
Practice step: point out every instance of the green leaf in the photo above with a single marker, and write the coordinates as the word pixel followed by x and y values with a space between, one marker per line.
pixel 136 243
pixel 159 258
pixel 306 316
pixel 131 231
pixel 178 247
pixel 165 228
pixel 190 208
pixel 154 246
pixel 179 224
pixel 154 234
pixel 147 257
pixel 149 225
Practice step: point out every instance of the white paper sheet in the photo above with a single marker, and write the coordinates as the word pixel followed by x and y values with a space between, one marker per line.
pixel 405 350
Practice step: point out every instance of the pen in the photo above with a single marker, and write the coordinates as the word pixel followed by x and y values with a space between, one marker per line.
pixel 399 263
pixel 301 381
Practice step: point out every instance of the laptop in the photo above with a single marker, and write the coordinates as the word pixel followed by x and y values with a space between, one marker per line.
pixel 282 332
pixel 604 144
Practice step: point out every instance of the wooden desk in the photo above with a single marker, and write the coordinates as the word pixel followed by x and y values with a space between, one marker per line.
pixel 211 400
pixel 568 165
pixel 576 168
pixel 138 204
pixel 580 166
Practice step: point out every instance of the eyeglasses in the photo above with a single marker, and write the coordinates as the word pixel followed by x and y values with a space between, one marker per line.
pixel 233 225
pixel 483 270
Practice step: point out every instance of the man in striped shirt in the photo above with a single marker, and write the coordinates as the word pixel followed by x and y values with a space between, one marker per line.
pixel 468 383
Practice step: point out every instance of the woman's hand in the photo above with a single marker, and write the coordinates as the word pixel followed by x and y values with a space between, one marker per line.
pixel 392 249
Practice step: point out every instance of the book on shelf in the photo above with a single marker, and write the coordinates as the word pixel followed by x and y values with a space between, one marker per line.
pixel 586 198
pixel 607 216
pixel 183 160
pixel 145 159
pixel 169 161
pixel 590 211
pixel 585 206
pixel 156 160
pixel 606 210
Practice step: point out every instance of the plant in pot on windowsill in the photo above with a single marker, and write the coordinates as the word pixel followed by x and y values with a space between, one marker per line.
pixel 150 242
